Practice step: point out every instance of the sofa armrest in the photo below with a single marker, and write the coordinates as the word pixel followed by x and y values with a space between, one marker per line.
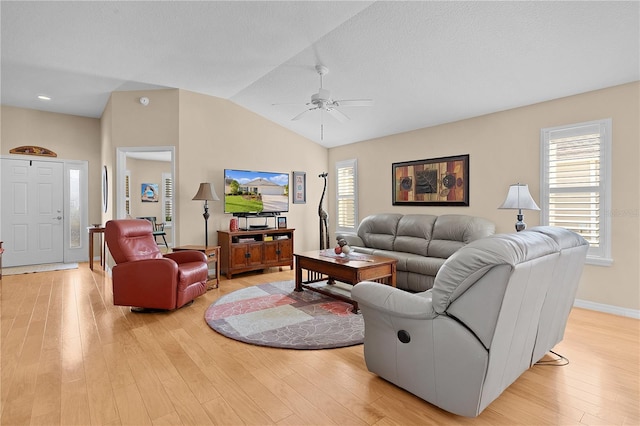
pixel 391 300
pixel 352 240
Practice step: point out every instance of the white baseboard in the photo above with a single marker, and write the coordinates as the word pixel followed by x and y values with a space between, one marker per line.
pixel 609 309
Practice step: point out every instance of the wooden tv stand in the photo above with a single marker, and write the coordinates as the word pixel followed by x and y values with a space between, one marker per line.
pixel 255 249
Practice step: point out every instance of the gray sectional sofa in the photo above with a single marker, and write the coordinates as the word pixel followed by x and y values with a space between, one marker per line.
pixel 421 243
pixel 498 305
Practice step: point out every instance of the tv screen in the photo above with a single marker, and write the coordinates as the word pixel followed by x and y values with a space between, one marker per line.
pixel 249 192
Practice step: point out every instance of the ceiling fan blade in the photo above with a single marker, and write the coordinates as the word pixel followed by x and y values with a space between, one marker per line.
pixel 290 103
pixel 299 116
pixel 354 102
pixel 338 115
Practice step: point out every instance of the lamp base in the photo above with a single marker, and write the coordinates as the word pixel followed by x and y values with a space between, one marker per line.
pixel 206 221
pixel 520 225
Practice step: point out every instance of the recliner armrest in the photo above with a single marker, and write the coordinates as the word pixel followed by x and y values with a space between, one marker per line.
pixel 394 301
pixel 161 269
pixel 186 256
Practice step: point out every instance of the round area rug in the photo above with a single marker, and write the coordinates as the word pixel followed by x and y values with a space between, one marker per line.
pixel 277 316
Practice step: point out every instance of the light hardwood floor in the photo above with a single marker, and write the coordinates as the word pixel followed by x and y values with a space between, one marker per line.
pixel 70 357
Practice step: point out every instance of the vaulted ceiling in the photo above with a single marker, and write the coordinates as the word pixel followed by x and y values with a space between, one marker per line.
pixel 423 63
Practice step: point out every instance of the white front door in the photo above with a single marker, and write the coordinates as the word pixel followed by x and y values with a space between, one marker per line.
pixel 32 212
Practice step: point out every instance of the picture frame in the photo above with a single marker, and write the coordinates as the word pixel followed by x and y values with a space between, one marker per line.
pixel 440 181
pixel 282 222
pixel 105 189
pixel 149 193
pixel 33 150
pixel 299 181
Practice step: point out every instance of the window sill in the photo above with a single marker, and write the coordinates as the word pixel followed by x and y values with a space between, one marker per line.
pixel 598 261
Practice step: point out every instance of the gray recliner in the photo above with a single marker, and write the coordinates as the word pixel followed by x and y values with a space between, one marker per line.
pixel 496 307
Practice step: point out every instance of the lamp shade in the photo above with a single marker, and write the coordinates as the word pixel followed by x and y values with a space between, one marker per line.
pixel 519 198
pixel 206 192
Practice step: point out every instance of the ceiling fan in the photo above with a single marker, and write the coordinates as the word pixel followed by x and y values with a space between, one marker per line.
pixel 323 102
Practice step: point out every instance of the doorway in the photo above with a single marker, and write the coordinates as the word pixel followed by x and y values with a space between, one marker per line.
pixel 127 159
pixel 44 210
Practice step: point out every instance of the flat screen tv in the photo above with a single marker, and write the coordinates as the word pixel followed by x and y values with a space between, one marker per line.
pixel 248 192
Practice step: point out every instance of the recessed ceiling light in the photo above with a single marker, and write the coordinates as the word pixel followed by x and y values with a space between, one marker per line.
pixel 44 98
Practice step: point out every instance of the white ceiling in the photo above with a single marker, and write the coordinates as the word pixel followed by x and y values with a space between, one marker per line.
pixel 423 62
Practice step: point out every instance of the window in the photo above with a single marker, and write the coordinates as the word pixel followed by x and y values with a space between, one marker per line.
pixel 346 195
pixel 167 199
pixel 75 209
pixel 127 193
pixel 576 183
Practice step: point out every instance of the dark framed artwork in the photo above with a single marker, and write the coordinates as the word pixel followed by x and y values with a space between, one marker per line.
pixel 299 187
pixel 434 182
pixel 282 222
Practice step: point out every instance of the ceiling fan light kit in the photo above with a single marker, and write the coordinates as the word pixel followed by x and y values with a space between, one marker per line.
pixel 322 101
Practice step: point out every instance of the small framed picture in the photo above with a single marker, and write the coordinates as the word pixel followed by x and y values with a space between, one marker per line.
pixel 149 193
pixel 282 222
pixel 299 187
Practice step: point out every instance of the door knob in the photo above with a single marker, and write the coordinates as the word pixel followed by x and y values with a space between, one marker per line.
pixel 59 217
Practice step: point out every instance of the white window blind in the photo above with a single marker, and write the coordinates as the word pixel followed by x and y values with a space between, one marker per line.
pixel 167 198
pixel 127 193
pixel 346 195
pixel 575 161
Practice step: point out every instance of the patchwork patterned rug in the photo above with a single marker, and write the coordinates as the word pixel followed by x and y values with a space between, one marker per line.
pixel 277 316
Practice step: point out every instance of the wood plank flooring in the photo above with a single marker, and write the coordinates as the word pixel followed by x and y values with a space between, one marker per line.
pixel 69 357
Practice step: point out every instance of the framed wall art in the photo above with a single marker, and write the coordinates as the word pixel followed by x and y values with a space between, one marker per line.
pixel 299 187
pixel 33 150
pixel 282 222
pixel 434 182
pixel 149 193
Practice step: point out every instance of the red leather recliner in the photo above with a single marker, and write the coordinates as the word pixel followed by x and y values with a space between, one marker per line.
pixel 145 278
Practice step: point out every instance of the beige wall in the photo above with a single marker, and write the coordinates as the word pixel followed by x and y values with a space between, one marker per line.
pixel 211 134
pixel 216 134
pixel 108 160
pixel 127 123
pixel 69 136
pixel 504 148
pixel 143 172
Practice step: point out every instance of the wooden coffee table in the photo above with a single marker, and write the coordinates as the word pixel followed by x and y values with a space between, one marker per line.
pixel 349 270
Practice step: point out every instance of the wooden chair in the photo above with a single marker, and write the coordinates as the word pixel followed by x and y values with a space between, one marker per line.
pixel 158 229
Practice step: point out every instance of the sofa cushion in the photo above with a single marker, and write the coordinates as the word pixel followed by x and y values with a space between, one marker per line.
pixel 413 233
pixel 379 231
pixel 400 257
pixel 451 232
pixel 424 265
pixel 419 264
pixel 414 283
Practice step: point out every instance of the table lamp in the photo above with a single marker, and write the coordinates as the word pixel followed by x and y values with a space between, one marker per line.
pixel 207 193
pixel 519 198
